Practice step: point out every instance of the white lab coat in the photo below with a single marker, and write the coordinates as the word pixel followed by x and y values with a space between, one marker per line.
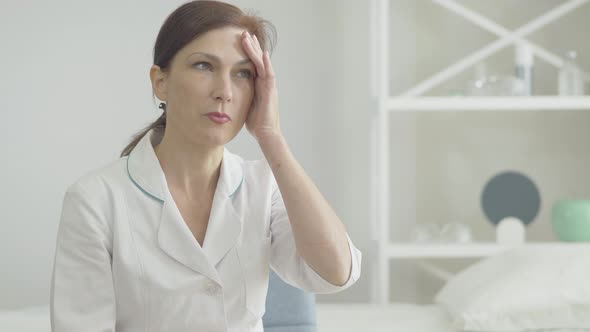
pixel 126 261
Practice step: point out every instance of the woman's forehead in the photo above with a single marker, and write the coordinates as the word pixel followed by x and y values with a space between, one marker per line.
pixel 225 43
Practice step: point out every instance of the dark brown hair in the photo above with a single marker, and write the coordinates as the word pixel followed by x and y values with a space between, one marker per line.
pixel 188 22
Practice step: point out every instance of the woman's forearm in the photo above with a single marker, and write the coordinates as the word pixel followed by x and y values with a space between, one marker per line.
pixel 319 234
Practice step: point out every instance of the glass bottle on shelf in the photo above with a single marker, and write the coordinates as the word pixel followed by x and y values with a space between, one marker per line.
pixel 493 85
pixel 479 85
pixel 571 78
pixel 524 68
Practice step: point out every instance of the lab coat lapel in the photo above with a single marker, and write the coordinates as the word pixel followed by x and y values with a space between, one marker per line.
pixel 223 230
pixel 176 239
pixel 173 235
pixel 225 223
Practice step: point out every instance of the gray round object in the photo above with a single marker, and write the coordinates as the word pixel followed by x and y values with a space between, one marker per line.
pixel 510 194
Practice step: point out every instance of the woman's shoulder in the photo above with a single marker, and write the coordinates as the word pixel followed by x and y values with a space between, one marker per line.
pixel 100 179
pixel 255 172
pixel 250 167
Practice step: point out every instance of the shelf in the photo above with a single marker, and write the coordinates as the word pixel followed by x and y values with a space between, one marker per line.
pixel 416 99
pixel 536 103
pixel 468 250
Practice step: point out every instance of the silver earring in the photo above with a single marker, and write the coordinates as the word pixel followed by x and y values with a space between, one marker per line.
pixel 162 106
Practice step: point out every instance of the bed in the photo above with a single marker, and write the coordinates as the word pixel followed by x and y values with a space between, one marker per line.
pixel 395 317
pixel 527 288
pixel 403 317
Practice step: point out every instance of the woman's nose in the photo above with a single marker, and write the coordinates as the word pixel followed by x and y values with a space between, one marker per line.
pixel 223 91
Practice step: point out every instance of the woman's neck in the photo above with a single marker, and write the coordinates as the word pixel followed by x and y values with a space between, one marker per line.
pixel 189 168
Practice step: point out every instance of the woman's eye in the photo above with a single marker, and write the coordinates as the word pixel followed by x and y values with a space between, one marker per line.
pixel 202 65
pixel 245 73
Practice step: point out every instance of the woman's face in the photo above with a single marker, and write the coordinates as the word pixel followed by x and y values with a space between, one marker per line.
pixel 212 73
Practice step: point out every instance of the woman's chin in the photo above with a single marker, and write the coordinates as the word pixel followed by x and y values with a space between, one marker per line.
pixel 217 139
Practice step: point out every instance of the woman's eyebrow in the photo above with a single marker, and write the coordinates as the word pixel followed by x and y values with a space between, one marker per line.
pixel 216 58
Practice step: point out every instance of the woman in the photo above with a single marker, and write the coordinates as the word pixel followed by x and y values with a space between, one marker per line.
pixel 179 233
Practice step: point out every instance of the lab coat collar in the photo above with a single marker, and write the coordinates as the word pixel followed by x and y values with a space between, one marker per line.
pixel 174 236
pixel 146 173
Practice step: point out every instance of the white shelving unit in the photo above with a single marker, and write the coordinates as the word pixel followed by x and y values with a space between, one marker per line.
pixel 540 103
pixel 413 100
pixel 476 250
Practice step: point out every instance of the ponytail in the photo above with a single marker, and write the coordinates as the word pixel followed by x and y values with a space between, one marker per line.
pixel 159 125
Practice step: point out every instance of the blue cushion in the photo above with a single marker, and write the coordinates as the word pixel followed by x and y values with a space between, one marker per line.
pixel 288 309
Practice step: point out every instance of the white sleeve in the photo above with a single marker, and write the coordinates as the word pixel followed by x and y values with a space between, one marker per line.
pixel 82 293
pixel 291 267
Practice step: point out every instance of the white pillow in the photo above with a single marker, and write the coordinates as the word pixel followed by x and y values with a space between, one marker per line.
pixel 531 287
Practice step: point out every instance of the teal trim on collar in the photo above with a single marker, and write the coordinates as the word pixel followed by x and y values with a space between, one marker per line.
pixel 232 173
pixel 138 186
pixel 239 185
pixel 144 170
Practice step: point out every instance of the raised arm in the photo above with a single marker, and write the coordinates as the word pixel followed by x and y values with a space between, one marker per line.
pixel 320 236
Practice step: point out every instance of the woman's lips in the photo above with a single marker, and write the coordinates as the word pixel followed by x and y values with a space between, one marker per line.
pixel 218 117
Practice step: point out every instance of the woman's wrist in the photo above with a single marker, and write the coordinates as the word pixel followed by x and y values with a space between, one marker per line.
pixel 275 149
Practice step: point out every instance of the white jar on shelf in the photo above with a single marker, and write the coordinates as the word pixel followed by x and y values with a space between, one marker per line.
pixel 524 68
pixel 571 78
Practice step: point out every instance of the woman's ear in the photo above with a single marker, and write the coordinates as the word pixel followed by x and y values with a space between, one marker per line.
pixel 158 78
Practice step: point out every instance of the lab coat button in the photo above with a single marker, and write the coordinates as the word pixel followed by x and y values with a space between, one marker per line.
pixel 211 288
